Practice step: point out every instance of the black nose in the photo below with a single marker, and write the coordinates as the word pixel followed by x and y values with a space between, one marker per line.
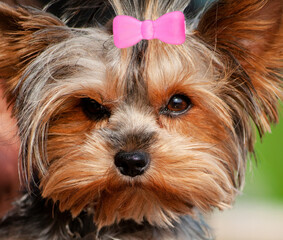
pixel 132 163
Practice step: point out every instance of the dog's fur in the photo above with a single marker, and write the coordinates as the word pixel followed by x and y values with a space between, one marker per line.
pixel 229 68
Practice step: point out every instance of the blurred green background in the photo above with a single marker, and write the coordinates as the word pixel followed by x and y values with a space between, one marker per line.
pixel 264 179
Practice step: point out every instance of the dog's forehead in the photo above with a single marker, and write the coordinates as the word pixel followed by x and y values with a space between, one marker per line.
pixel 150 68
pixel 153 66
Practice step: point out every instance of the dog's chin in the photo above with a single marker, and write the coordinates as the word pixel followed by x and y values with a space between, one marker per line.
pixel 132 201
pixel 140 202
pixel 152 198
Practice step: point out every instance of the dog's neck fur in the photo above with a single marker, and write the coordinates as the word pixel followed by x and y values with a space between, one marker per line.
pixel 47 222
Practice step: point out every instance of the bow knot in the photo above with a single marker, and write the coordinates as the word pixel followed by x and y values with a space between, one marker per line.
pixel 169 28
pixel 147 30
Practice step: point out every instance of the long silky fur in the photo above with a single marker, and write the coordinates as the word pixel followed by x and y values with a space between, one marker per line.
pixel 198 160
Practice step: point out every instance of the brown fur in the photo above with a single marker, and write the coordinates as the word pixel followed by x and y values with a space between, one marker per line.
pixel 23 40
pixel 230 69
pixel 250 31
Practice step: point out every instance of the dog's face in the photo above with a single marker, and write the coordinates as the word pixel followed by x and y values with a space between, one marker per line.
pixel 150 140
pixel 147 132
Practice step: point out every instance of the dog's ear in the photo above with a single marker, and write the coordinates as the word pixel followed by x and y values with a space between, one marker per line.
pixel 24 34
pixel 250 32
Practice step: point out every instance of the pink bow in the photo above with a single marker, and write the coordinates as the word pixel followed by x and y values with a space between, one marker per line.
pixel 169 28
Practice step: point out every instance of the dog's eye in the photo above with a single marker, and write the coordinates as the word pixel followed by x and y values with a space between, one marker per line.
pixel 178 104
pixel 94 110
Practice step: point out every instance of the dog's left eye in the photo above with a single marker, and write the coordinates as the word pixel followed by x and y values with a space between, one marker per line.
pixel 94 110
pixel 178 104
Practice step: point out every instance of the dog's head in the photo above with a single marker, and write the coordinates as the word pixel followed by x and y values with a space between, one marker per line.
pixel 147 132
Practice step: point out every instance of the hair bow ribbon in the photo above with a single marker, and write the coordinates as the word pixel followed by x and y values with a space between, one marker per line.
pixel 169 28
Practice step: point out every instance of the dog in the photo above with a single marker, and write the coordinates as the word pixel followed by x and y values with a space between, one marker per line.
pixel 137 142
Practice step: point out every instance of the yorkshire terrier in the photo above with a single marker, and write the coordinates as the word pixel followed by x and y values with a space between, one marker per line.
pixel 137 142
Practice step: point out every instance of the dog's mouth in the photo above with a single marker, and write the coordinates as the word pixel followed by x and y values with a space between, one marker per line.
pixel 159 197
pixel 158 187
pixel 138 200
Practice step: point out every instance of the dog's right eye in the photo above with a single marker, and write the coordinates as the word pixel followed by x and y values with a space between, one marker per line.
pixel 94 110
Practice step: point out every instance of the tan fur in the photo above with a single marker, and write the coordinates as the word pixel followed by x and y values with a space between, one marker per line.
pixel 228 67
pixel 250 31
pixel 21 44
